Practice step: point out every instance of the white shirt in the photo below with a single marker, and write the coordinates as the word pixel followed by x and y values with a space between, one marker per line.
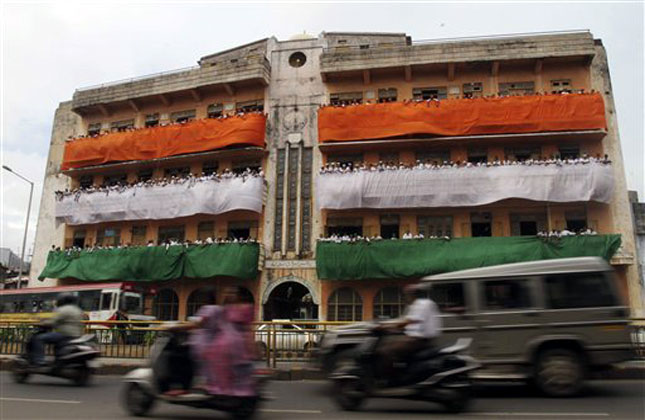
pixel 427 323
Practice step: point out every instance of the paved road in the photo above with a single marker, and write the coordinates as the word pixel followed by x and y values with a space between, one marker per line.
pixel 50 398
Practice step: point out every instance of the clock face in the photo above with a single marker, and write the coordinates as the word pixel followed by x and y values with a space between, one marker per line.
pixel 294 121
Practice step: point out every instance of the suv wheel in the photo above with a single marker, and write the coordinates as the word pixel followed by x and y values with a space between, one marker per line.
pixel 559 373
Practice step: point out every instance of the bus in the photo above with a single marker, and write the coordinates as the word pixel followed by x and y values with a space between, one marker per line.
pixel 99 302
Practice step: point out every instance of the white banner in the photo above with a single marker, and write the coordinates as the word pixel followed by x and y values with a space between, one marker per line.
pixel 162 202
pixel 458 187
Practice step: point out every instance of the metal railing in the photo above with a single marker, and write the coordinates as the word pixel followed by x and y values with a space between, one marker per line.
pixel 276 341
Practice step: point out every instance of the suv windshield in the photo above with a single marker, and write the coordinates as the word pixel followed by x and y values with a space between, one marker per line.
pixel 132 303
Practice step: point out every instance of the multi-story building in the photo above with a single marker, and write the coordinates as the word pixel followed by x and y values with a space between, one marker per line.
pixel 356 99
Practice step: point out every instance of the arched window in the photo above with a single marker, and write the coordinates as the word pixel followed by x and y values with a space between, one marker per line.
pixel 388 303
pixel 199 298
pixel 246 295
pixel 166 305
pixel 345 305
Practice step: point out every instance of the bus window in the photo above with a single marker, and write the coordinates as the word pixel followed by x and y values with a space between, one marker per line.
pixel 132 303
pixel 106 301
pixel 89 300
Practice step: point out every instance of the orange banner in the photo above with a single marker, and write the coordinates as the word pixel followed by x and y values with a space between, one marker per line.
pixel 462 117
pixel 162 141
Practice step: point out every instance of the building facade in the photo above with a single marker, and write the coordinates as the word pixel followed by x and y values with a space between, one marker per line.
pixel 362 101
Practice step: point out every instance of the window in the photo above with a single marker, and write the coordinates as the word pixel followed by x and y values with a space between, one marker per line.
pixel 388 303
pixel 180 171
pixel 241 166
pixel 144 175
pixel 363 47
pixel 139 235
pixel 435 226
pixel 106 301
pixel 522 153
pixel 243 230
pixel 121 125
pixel 480 224
pixel 165 305
pixel 516 88
pixel 351 160
pixel 94 129
pixel 440 92
pixel 527 224
pixel 344 226
pixel 183 116
pixel 116 179
pixel 473 90
pixel 569 152
pixel 205 230
pixel 387 95
pixel 86 181
pixel 390 226
pixel 199 298
pixel 171 233
pixel 345 305
pixel 561 86
pixel 477 155
pixel 576 220
pixel 89 300
pixel 250 106
pixel 152 120
pixel 449 297
pixel 297 59
pixel 210 167
pixel 215 110
pixel 389 157
pixel 108 237
pixel 79 238
pixel 579 290
pixel 346 98
pixel 436 157
pixel 507 294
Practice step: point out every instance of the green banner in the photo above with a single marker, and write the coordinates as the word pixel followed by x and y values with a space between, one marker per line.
pixel 391 259
pixel 155 263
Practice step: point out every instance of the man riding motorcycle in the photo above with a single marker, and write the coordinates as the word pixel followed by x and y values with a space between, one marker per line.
pixel 67 325
pixel 421 325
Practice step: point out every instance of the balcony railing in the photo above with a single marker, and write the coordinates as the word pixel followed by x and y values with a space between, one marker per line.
pixel 462 117
pixel 415 258
pixel 180 199
pixel 155 263
pixel 163 141
pixel 465 186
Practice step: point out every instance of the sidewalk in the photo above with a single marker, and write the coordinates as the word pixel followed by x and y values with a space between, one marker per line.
pixel 295 371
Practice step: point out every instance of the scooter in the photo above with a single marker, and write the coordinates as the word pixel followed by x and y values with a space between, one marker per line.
pixel 171 366
pixel 438 375
pixel 73 359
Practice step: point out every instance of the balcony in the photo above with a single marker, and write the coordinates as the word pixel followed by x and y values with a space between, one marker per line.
pixel 338 60
pixel 488 117
pixel 247 71
pixel 464 186
pixel 398 259
pixel 155 263
pixel 164 141
pixel 181 199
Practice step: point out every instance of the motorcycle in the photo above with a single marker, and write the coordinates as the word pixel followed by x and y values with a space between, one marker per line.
pixel 172 367
pixel 438 375
pixel 73 359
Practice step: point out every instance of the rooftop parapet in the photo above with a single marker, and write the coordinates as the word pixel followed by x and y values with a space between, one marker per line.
pixel 529 46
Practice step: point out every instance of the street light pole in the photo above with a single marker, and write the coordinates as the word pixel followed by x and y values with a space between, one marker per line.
pixel 24 238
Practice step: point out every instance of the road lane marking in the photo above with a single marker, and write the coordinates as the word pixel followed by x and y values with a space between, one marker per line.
pixel 273 410
pixel 542 414
pixel 40 401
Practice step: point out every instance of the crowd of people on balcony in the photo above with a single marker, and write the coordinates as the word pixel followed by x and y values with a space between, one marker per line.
pixel 344 168
pixel 437 98
pixel 181 121
pixel 189 178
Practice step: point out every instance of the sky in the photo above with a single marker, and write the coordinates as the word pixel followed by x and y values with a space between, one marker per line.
pixel 51 49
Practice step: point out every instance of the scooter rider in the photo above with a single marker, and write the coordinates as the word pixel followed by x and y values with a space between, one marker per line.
pixel 421 325
pixel 67 324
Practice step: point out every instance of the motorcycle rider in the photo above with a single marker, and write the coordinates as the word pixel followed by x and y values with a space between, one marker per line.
pixel 67 324
pixel 421 325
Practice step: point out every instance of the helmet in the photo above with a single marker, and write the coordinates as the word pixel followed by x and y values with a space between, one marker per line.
pixel 66 299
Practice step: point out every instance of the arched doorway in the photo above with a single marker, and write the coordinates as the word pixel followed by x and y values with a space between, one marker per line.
pixel 199 298
pixel 165 305
pixel 290 300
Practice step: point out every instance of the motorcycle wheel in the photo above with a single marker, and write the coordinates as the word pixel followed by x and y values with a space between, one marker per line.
pixel 136 400
pixel 348 394
pixel 82 376
pixel 459 401
pixel 20 374
pixel 246 409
